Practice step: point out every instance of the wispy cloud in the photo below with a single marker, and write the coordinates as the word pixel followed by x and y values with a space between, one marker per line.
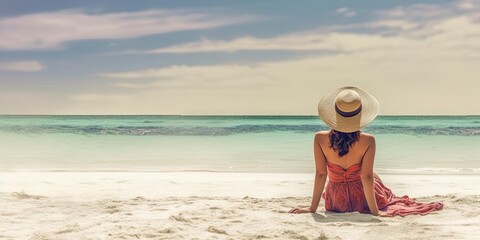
pixel 51 30
pixel 293 42
pixel 317 41
pixel 21 66
pixel 209 76
pixel 466 4
pixel 346 12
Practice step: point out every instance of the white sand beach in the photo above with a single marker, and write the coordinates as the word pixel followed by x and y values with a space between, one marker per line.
pixel 213 205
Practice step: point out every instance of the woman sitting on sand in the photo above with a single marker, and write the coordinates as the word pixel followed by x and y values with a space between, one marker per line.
pixel 346 156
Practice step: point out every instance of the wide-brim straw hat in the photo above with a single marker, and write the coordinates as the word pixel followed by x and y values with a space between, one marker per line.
pixel 348 109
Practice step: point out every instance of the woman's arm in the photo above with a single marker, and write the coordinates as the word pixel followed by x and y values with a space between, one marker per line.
pixel 368 177
pixel 320 173
pixel 320 178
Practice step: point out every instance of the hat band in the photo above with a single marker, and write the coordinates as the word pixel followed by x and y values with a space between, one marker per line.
pixel 348 114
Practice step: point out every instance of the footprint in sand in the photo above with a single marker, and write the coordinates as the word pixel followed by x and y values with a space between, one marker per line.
pixel 179 218
pixel 22 195
pixel 213 229
pixel 167 230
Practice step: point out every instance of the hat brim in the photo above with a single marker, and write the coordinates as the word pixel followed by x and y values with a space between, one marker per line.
pixel 326 111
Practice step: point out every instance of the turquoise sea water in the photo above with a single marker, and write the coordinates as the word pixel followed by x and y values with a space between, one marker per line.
pixel 405 144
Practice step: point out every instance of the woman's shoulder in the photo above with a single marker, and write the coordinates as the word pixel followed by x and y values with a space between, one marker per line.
pixel 367 136
pixel 322 134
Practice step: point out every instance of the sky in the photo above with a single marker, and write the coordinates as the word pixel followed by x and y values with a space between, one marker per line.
pixel 237 57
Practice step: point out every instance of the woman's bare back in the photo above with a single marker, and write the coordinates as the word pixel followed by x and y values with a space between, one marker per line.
pixel 354 155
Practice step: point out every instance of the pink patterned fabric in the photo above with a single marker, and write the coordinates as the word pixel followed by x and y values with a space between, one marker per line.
pixel 344 193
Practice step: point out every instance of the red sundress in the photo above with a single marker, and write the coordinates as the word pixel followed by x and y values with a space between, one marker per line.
pixel 344 193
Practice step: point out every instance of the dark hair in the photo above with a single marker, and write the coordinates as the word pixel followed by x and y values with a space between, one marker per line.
pixel 342 141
